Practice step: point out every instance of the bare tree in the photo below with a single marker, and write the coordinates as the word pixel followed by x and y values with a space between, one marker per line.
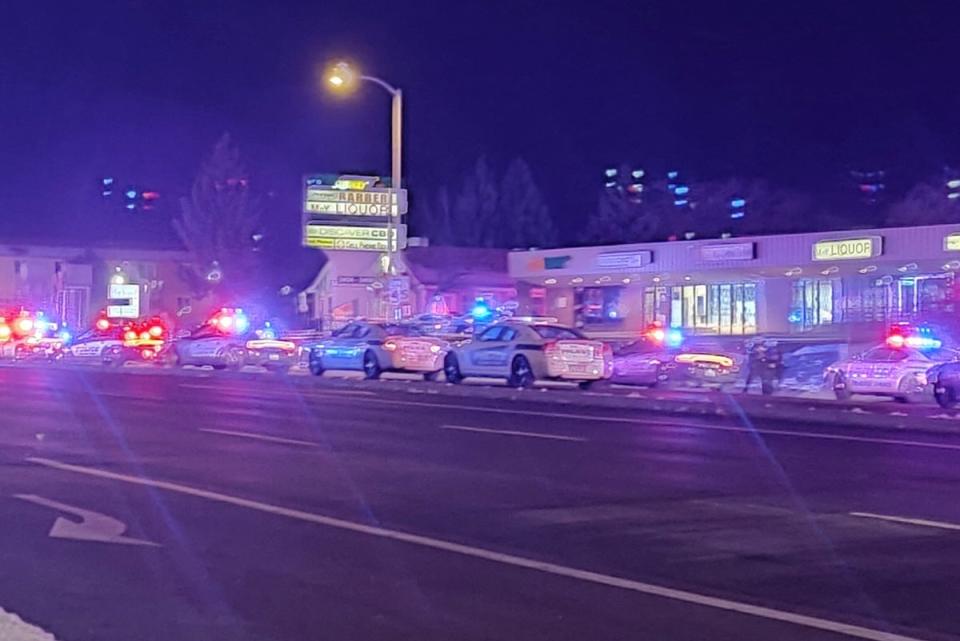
pixel 218 222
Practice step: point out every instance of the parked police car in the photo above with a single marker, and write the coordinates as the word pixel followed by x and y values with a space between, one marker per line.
pixel 523 352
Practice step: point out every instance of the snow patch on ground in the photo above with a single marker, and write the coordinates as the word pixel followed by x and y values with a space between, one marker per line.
pixel 13 628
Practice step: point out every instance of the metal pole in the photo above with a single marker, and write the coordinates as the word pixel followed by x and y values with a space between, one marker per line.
pixel 396 146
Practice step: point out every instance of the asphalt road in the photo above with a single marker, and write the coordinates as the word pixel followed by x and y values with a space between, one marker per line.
pixel 149 506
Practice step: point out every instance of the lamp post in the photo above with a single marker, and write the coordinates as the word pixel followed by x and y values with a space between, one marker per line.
pixel 343 77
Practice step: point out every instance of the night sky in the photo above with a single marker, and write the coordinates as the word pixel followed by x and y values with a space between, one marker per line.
pixel 794 92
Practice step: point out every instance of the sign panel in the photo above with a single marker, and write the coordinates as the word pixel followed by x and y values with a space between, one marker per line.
pixel 624 260
pixel 356 280
pixel 848 248
pixel 727 251
pixel 124 301
pixel 951 243
pixel 333 201
pixel 352 238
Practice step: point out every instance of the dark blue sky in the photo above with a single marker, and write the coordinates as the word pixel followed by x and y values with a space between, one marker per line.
pixel 793 92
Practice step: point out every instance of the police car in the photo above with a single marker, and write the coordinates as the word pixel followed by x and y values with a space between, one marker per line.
pixel 374 348
pixel 523 352
pixel 29 336
pixel 115 342
pixel 226 341
pixel 897 368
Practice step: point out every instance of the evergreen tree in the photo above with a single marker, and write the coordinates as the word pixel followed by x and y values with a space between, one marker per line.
pixel 218 221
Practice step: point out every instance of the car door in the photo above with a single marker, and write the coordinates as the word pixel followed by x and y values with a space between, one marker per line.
pixel 490 352
pixel 865 372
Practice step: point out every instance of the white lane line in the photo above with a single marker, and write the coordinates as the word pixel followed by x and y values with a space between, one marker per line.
pixel 261 437
pixel 696 426
pixel 555 437
pixel 651 589
pixel 943 525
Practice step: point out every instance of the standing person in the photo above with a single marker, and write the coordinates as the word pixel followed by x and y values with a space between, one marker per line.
pixel 755 363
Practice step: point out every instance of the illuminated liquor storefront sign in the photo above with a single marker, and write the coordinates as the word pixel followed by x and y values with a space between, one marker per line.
pixel 848 248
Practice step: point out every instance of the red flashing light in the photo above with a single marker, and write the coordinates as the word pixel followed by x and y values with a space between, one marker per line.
pixel 156 331
pixel 5 332
pixel 896 340
pixel 129 335
pixel 103 324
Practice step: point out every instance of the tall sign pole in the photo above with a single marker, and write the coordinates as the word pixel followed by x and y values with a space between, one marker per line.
pixel 396 148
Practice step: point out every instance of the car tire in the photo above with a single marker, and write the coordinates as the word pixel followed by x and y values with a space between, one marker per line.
pixel 521 374
pixel 908 392
pixel 585 385
pixel 451 369
pixel 233 359
pixel 840 388
pixel 371 367
pixel 315 365
pixel 947 399
pixel 767 387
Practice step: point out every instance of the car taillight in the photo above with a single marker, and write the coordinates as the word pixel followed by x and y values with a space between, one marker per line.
pixel 156 331
pixel 5 332
pixel 390 345
pixel 551 349
pixel 435 349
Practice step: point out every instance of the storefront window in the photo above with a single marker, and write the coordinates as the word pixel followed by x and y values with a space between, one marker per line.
pixel 676 307
pixel 750 308
pixel 599 305
pixel 726 305
pixel 700 296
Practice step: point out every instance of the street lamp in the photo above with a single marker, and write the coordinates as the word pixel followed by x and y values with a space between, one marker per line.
pixel 343 77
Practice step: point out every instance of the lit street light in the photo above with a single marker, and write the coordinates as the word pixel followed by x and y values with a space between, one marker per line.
pixel 344 78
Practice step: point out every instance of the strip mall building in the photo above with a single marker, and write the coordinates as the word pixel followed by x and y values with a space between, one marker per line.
pixel 742 286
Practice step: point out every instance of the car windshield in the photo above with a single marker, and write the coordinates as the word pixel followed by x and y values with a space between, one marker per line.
pixel 555 332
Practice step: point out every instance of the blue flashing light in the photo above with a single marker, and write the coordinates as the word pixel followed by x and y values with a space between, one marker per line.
pixel 131 206
pixel 130 193
pixel 637 173
pixel 480 310
pixel 795 317
pixel 673 338
pixel 681 203
pixel 65 336
pixel 738 202
pixel 612 313
pixel 737 214
pixel 241 323
pixel 672 174
pixel 681 190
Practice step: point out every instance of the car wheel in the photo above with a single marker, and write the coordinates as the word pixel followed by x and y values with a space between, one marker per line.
pixel 316 366
pixel 766 387
pixel 521 374
pixel 840 388
pixel 585 385
pixel 946 397
pixel 909 390
pixel 451 369
pixel 371 368
pixel 233 359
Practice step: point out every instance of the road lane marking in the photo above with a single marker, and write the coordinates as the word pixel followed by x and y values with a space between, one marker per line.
pixel 93 526
pixel 697 426
pixel 261 437
pixel 555 437
pixel 588 576
pixel 943 525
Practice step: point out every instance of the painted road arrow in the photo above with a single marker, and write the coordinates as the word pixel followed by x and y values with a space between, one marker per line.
pixel 93 526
